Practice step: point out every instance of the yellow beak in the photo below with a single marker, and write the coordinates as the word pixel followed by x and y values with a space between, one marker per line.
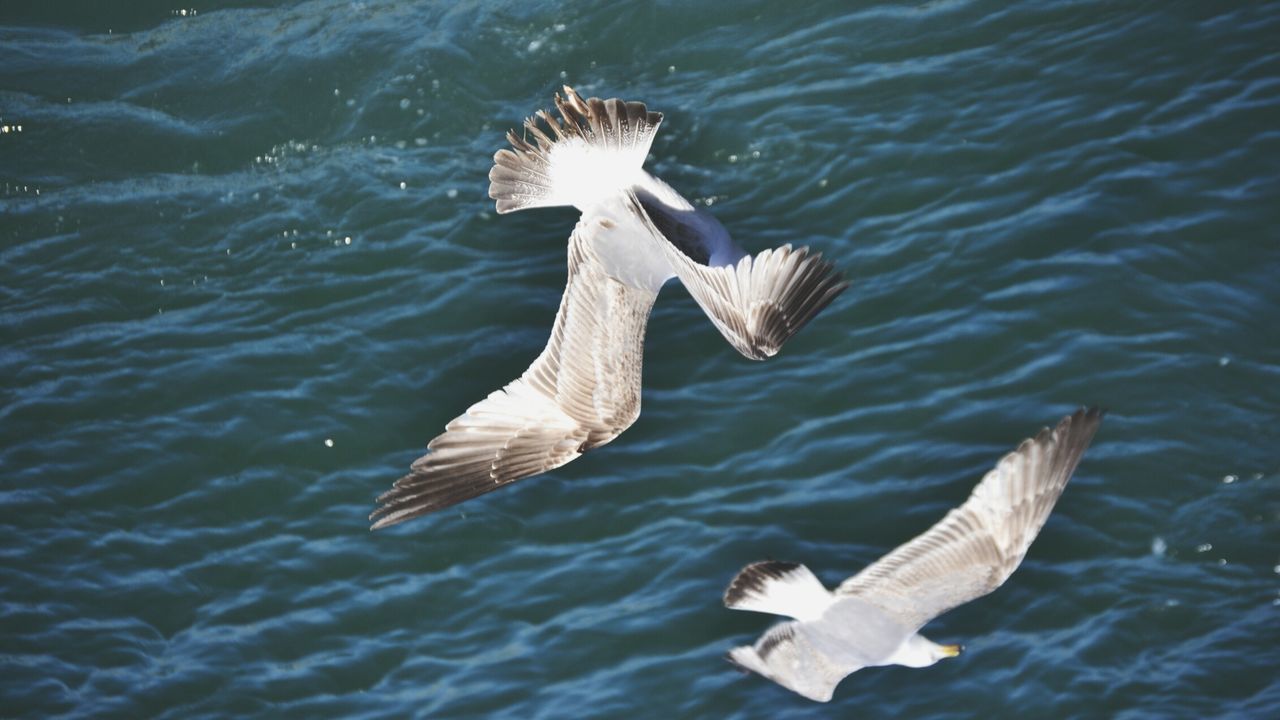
pixel 952 650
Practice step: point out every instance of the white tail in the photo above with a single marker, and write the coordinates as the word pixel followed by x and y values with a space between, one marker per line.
pixel 597 150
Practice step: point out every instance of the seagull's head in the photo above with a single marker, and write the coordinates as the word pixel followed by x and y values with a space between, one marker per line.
pixel 919 651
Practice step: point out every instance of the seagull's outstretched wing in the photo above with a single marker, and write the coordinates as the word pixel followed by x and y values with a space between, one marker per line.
pixel 581 392
pixel 975 548
pixel 759 302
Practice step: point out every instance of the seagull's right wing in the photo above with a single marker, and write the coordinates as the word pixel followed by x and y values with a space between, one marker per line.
pixel 581 392
pixel 975 548
pixel 759 302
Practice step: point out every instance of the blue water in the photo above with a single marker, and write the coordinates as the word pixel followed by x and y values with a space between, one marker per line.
pixel 1039 206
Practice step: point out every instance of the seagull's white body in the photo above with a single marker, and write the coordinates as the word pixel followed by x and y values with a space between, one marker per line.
pixel 874 617
pixel 635 234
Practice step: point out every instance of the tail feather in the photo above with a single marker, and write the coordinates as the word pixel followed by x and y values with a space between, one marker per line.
pixel 780 588
pixel 595 149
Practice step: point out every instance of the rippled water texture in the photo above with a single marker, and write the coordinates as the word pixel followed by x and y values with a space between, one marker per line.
pixel 248 268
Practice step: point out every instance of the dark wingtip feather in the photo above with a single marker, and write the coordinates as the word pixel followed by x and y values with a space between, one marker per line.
pixel 752 579
pixel 1084 422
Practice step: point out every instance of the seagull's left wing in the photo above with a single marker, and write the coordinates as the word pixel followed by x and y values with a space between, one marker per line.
pixel 580 393
pixel 975 548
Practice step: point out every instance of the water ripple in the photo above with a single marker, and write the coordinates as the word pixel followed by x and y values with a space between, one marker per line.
pixel 249 266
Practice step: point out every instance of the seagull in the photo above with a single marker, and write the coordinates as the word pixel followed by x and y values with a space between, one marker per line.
pixel 635 233
pixel 874 617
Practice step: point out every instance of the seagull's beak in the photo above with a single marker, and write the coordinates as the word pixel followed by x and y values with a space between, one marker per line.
pixel 951 650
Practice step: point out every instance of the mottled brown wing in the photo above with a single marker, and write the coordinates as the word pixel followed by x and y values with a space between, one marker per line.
pixel 975 548
pixel 581 392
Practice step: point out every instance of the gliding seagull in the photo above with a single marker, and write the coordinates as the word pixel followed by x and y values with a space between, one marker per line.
pixel 874 617
pixel 635 233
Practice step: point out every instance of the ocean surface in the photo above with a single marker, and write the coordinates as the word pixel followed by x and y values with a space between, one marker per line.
pixel 248 268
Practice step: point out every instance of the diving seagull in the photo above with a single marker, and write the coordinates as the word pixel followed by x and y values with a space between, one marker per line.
pixel 634 234
pixel 874 617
